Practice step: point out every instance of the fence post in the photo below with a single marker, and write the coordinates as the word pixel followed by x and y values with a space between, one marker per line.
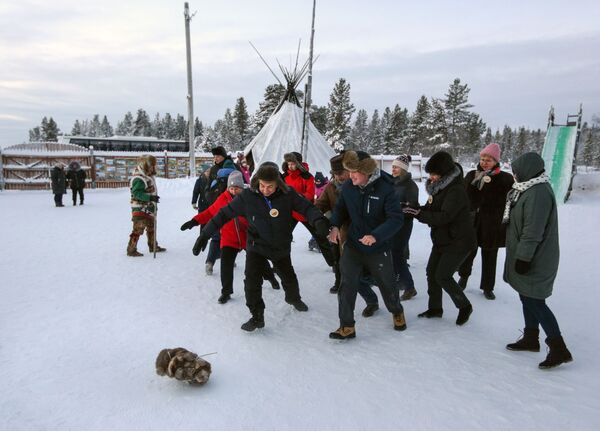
pixel 166 165
pixel 92 166
pixel 1 171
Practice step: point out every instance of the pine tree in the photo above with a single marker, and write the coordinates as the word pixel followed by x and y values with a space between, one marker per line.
pixel 419 130
pixel 125 127
pixel 339 114
pixel 589 148
pixel 209 138
pixel 76 130
pixel 507 143
pixel 273 95
pixel 95 126
pixel 168 127
pixel 106 129
pixel 359 139
pixel 141 126
pixel 473 131
pixel 49 130
pixel 374 134
pixel 35 134
pixel 457 108
pixel 43 129
pixel 180 131
pixel 227 133
pixel 488 138
pixel 241 120
pixel 157 127
pixel 396 130
pixel 438 126
pixel 318 116
pixel 198 133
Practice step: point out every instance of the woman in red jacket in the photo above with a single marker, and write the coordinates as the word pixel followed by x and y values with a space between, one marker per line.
pixel 297 176
pixel 233 235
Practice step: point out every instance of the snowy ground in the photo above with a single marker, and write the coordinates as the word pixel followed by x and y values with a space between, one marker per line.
pixel 81 325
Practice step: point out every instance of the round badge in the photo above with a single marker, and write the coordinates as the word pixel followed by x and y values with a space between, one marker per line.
pixel 430 200
pixel 486 179
pixel 274 212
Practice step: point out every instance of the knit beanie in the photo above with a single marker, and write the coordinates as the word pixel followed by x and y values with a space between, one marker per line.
pixel 235 179
pixel 492 150
pixel 359 161
pixel 402 161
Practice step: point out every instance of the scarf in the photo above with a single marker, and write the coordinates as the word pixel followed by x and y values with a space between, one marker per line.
pixel 478 181
pixel 515 193
pixel 442 183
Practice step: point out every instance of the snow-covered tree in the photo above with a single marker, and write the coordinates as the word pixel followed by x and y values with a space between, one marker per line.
pixel 125 127
pixel 180 130
pixel 507 143
pixel 106 129
pixel 318 116
pixel 241 120
pixel 142 126
pixel 35 134
pixel 76 130
pixel 272 97
pixel 457 108
pixel 168 127
pixel 419 127
pixel 227 132
pixel 374 134
pixel 49 130
pixel 438 126
pixel 157 127
pixel 339 114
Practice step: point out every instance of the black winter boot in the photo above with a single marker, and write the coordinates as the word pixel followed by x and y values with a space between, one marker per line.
pixel 256 321
pixel 274 283
pixel 299 305
pixel 463 314
pixel 530 342
pixel 224 298
pixel 432 312
pixel 558 354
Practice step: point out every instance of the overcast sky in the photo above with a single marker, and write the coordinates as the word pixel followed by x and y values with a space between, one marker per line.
pixel 72 59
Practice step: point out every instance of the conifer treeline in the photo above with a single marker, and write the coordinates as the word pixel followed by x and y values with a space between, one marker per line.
pixel 448 123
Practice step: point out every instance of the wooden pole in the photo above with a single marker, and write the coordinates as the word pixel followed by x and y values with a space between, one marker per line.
pixel 308 103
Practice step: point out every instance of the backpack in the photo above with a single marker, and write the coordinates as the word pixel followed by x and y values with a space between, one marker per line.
pixel 218 185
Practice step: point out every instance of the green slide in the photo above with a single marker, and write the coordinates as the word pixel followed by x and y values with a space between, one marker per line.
pixel 558 155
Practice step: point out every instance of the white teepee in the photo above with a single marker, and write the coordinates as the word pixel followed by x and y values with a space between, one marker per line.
pixel 283 134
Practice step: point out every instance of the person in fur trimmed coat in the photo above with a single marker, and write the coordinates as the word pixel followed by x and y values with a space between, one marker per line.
pixel 452 233
pixel 487 187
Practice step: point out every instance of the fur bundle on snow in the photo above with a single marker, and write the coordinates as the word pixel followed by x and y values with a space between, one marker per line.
pixel 181 364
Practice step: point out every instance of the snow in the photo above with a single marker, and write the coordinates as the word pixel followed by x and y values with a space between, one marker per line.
pixel 81 325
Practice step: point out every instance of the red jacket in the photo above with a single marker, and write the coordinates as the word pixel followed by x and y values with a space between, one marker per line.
pixel 304 186
pixel 233 233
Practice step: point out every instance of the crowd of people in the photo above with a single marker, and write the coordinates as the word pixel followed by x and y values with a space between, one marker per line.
pixel 361 219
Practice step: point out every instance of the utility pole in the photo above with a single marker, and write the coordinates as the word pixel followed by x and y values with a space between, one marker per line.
pixel 308 96
pixel 190 95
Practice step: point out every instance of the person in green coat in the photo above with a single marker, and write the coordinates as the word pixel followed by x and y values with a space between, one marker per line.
pixel 532 255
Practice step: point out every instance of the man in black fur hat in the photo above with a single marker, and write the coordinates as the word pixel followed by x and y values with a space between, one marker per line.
pixel 369 203
pixel 268 206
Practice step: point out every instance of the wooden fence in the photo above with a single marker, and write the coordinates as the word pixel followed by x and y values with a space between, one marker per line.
pixel 27 166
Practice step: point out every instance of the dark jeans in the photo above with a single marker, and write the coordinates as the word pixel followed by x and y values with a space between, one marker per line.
pixel 58 199
pixel 400 257
pixel 322 242
pixel 364 288
pixel 254 277
pixel 536 313
pixel 488 267
pixel 354 264
pixel 228 255
pixel 214 248
pixel 440 270
pixel 75 192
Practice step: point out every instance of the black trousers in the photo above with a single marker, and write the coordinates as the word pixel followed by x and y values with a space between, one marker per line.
pixel 228 255
pixel 255 268
pixel 353 265
pixel 58 199
pixel 322 242
pixel 75 193
pixel 440 270
pixel 488 267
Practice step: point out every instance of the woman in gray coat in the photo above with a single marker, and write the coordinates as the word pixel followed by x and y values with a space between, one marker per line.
pixel 532 255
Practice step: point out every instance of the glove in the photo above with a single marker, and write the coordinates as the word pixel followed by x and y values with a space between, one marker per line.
pixel 522 267
pixel 200 244
pixel 322 227
pixel 189 224
pixel 195 206
pixel 412 211
pixel 154 198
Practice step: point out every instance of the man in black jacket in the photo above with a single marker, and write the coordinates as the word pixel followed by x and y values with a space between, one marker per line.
pixel 267 206
pixel 368 202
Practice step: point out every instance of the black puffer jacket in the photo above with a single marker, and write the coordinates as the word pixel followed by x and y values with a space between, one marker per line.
pixel 76 179
pixel 447 213
pixel 487 205
pixel 58 180
pixel 270 219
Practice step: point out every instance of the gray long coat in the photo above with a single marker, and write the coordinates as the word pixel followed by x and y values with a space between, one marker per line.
pixel 532 233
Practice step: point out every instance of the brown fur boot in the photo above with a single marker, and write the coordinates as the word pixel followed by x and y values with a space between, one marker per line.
pixel 184 365
pixel 132 246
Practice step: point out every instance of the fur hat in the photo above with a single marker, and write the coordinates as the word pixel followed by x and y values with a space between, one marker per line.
pixel 440 163
pixel 293 157
pixel 147 163
pixel 181 364
pixel 235 179
pixel 492 150
pixel 359 161
pixel 268 171
pixel 402 161
pixel 219 151
pixel 337 165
